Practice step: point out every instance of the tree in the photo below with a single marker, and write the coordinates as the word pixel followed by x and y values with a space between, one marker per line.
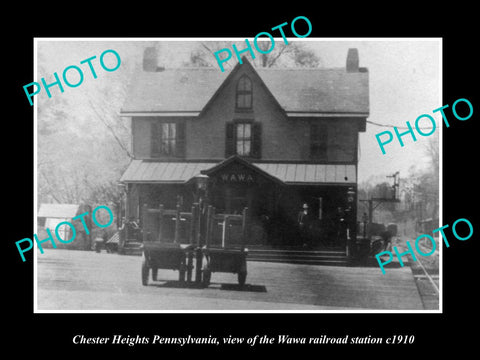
pixel 429 180
pixel 432 150
pixel 295 54
pixel 83 145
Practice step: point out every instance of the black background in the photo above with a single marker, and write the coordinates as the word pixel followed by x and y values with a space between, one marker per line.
pixel 51 334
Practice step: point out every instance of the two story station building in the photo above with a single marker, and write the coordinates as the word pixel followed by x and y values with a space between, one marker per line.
pixel 268 139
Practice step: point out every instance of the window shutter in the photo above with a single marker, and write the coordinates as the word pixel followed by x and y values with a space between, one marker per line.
pixel 229 139
pixel 155 138
pixel 180 140
pixel 257 140
pixel 313 141
pixel 362 125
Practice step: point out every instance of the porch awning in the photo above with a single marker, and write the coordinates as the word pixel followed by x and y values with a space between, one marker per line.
pixel 311 173
pixel 163 172
pixel 141 171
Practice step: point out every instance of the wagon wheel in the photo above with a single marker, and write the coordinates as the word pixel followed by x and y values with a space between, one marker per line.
pixel 182 270
pixel 242 274
pixel 145 271
pixel 189 268
pixel 154 274
pixel 206 276
pixel 206 270
pixel 242 277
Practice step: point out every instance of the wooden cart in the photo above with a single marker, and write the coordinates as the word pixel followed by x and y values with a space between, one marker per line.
pixel 167 256
pixel 224 258
pixel 160 253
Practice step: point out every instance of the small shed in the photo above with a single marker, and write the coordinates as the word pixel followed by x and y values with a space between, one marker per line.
pixel 50 215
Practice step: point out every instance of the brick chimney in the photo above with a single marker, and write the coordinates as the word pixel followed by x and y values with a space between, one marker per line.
pixel 150 59
pixel 352 60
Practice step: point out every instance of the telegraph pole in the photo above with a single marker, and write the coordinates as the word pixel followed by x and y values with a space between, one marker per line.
pixel 371 207
pixel 396 182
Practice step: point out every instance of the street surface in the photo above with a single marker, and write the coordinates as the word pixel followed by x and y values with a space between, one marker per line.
pixel 85 280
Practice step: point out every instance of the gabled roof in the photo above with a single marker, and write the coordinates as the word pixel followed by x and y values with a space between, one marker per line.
pixel 61 211
pixel 186 89
pixel 318 90
pixel 296 90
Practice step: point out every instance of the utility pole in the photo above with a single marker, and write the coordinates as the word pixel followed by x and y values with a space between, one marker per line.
pixel 396 183
pixel 371 207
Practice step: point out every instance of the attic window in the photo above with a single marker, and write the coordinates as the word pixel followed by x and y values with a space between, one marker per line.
pixel 244 93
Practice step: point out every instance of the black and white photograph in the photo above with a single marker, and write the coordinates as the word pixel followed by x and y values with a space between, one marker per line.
pixel 254 183
pixel 221 180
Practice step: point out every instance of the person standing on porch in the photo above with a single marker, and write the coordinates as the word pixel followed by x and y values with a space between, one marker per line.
pixel 304 220
pixel 341 226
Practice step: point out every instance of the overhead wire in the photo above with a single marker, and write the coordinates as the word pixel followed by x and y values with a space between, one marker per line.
pixel 394 126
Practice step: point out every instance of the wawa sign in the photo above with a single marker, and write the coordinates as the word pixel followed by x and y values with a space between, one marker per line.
pixel 243 177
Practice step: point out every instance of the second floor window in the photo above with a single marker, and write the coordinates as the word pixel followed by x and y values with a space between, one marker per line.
pixel 333 142
pixel 167 139
pixel 244 139
pixel 318 142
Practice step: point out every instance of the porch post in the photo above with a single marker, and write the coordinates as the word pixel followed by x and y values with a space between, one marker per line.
pixel 208 231
pixel 177 224
pixel 160 222
pixel 244 228
pixel 196 217
pixel 127 209
pixel 144 222
pixel 192 226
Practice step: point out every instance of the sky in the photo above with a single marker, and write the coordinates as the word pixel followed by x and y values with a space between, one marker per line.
pixel 404 83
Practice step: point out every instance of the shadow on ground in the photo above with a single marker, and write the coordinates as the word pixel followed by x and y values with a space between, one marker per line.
pixel 219 286
pixel 372 262
pixel 246 287
pixel 177 284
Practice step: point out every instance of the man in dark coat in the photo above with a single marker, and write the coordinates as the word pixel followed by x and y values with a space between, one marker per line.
pixel 304 220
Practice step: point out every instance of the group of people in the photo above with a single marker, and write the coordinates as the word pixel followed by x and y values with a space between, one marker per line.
pixel 306 223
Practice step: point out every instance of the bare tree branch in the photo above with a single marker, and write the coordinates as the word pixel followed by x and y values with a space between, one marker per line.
pixel 50 187
pixel 109 127
pixel 211 51
pixel 274 59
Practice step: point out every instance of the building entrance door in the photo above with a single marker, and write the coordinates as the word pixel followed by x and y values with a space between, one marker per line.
pixel 236 199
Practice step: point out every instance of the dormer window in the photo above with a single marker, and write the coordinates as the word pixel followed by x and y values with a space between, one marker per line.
pixel 244 93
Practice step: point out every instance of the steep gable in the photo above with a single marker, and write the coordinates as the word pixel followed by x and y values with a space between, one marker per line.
pixel 243 69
